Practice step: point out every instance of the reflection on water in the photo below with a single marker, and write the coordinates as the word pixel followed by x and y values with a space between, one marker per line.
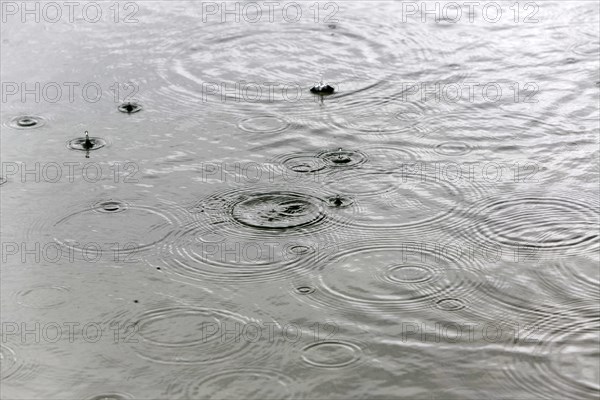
pixel 428 230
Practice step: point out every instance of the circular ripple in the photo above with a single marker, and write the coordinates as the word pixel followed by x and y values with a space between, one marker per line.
pixel 575 356
pixel 370 277
pixel 43 296
pixel 8 362
pixel 304 290
pixel 242 258
pixel 410 273
pixel 188 64
pixel 581 273
pixel 385 124
pixel 299 249
pixel 262 211
pixel 302 163
pixel 450 304
pixel 189 335
pixel 452 149
pixel 538 222
pixel 111 396
pixel 26 122
pixel 264 124
pixel 278 210
pixel 79 144
pixel 330 354
pixel 113 230
pixel 267 235
pixel 342 158
pixel 389 156
pixel 588 48
pixel 249 383
pixel 398 199
pixel 563 363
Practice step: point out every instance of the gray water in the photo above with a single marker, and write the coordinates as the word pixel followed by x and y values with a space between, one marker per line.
pixel 430 230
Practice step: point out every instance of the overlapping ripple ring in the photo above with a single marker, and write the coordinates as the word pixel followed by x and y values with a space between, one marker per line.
pixel 248 383
pixel 375 276
pixel 382 124
pixel 190 335
pixel 268 211
pixel 581 272
pixel 202 253
pixel 188 66
pixel 15 367
pixel 404 200
pixel 144 233
pixel 538 222
pixel 543 372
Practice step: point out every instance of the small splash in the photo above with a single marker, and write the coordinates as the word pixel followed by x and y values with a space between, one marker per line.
pixel 343 158
pixel 26 122
pixel 322 89
pixel 129 108
pixel 340 201
pixel 278 210
pixel 86 143
pixel 330 354
pixel 110 206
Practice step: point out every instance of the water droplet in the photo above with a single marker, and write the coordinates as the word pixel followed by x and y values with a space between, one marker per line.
pixel 86 143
